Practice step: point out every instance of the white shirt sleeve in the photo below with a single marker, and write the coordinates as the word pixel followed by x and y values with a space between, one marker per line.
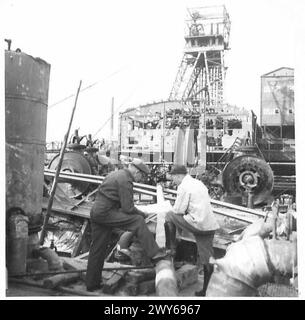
pixel 182 201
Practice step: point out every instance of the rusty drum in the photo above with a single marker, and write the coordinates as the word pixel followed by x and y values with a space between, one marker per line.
pixel 26 100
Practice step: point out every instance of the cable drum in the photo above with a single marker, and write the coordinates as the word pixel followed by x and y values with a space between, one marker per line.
pixel 248 172
pixel 73 162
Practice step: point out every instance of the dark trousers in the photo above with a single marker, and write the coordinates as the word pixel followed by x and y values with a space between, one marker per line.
pixel 204 239
pixel 102 224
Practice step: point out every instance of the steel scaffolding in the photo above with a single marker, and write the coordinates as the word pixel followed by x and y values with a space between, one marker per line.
pixel 200 77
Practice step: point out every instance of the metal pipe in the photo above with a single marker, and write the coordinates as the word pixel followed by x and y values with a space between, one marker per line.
pixel 93 178
pixel 232 215
pixel 171 196
pixel 239 208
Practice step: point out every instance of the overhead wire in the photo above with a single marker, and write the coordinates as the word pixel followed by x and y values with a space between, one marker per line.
pixel 86 88
pixel 115 111
pixel 92 85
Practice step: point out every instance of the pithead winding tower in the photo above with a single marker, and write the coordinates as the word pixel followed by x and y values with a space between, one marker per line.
pixel 200 78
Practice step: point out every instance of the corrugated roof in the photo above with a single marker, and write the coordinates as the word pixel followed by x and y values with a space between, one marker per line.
pixel 291 70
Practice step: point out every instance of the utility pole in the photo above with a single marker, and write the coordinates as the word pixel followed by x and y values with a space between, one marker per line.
pixel 163 134
pixel 54 184
pixel 112 118
pixel 203 137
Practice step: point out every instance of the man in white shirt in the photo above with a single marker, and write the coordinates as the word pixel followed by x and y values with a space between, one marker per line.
pixel 192 212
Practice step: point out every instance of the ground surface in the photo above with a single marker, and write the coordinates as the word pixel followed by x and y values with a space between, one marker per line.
pixel 26 291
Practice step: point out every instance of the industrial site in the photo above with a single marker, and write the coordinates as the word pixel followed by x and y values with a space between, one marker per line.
pixel 193 197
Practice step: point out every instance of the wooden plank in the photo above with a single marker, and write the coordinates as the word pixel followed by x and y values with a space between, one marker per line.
pixel 83 255
pixel 34 283
pixel 81 212
pixel 80 238
pixel 78 292
pixel 111 284
pixel 84 198
pixel 74 263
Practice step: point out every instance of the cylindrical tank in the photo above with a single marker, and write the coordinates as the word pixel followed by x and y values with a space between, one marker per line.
pixel 17 241
pixel 26 100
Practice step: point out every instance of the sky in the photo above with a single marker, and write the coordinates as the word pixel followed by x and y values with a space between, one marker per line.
pixel 131 51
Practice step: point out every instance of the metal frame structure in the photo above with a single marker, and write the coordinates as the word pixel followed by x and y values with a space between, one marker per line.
pixel 201 74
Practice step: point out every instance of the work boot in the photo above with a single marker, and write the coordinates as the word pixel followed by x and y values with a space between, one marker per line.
pixel 170 238
pixel 122 254
pixel 207 273
pixel 125 239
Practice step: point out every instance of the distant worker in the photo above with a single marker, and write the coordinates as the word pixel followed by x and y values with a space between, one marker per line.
pixel 102 144
pixel 114 208
pixel 75 138
pixel 192 212
pixel 90 142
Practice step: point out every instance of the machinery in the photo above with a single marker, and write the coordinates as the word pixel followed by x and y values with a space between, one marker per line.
pixel 249 178
pixel 242 177
pixel 246 178
pixel 78 159
pixel 74 162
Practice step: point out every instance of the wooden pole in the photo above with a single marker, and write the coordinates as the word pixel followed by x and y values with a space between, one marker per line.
pixel 61 156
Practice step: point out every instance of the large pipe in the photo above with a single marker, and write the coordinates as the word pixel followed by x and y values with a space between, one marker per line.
pixel 112 116
pixel 168 192
pixel 250 263
pixel 152 190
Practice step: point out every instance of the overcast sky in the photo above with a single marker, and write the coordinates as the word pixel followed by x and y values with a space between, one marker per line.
pixel 132 50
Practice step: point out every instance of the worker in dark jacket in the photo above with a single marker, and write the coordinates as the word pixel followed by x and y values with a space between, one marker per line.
pixel 114 208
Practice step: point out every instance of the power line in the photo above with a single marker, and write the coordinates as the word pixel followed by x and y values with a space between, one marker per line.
pixel 115 111
pixel 88 87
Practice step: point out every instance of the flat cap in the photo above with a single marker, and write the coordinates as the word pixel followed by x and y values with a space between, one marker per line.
pixel 178 169
pixel 139 164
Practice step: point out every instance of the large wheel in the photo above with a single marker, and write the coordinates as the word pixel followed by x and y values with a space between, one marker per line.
pixel 248 171
pixel 73 162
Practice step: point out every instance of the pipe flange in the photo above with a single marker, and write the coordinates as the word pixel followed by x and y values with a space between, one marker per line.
pixel 248 180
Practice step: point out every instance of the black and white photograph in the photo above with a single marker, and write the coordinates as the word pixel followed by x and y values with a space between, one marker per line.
pixel 150 151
